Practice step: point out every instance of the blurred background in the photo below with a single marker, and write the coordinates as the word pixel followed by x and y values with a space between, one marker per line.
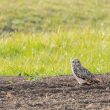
pixel 39 38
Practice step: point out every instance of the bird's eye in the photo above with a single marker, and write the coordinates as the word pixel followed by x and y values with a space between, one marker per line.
pixel 78 61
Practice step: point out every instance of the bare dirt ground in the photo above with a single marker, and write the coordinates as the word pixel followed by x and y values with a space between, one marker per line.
pixel 54 93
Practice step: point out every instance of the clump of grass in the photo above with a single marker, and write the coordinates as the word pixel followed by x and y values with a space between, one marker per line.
pixel 50 54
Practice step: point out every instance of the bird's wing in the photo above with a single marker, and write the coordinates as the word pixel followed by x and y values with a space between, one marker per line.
pixel 85 74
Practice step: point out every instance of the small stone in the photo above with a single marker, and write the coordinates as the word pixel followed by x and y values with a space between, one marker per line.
pixel 107 88
pixel 89 106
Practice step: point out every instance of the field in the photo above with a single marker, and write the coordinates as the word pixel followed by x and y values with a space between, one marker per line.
pixel 50 15
pixel 51 54
pixel 38 41
pixel 53 93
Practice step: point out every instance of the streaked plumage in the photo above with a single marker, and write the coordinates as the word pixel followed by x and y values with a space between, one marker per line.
pixel 81 74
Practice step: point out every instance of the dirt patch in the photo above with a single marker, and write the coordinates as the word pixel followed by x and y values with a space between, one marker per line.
pixel 53 93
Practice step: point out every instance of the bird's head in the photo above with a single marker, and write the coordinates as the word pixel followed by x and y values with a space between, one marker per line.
pixel 76 63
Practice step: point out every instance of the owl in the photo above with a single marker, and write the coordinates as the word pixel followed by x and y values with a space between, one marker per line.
pixel 81 74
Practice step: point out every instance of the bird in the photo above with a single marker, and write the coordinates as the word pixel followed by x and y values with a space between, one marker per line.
pixel 81 74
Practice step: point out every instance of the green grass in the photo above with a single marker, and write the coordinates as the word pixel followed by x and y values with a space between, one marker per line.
pixel 51 54
pixel 47 34
pixel 52 15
